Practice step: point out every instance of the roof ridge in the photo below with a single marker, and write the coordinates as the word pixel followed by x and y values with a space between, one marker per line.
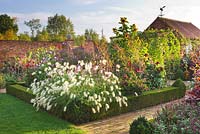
pixel 162 18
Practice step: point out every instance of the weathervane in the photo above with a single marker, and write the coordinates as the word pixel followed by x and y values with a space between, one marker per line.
pixel 161 11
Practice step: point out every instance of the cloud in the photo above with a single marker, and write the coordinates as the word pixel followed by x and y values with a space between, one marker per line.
pixel 119 9
pixel 21 17
pixel 86 2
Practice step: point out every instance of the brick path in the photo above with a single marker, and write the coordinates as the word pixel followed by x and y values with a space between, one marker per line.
pixel 120 124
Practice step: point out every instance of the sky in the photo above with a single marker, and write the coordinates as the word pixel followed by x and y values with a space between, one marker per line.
pixel 101 14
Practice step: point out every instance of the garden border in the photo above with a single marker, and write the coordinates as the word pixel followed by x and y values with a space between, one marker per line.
pixel 148 98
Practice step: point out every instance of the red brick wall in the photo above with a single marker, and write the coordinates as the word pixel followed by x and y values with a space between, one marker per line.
pixel 19 48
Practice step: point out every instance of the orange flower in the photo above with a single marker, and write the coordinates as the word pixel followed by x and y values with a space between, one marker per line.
pixel 126 35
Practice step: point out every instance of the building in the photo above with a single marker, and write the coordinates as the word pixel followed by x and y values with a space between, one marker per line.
pixel 185 29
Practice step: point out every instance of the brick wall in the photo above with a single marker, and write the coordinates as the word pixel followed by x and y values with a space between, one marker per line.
pixel 9 49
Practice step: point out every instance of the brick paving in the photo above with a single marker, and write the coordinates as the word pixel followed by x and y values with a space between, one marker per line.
pixel 120 124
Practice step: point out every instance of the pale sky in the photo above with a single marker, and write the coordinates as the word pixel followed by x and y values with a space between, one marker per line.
pixel 101 14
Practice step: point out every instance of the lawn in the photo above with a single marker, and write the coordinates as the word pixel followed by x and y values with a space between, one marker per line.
pixel 18 117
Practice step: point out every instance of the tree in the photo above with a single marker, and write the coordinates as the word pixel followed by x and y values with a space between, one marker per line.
pixel 70 28
pixel 10 35
pixel 43 36
pixel 7 23
pixel 1 37
pixel 58 25
pixel 24 37
pixel 79 40
pixel 91 34
pixel 34 25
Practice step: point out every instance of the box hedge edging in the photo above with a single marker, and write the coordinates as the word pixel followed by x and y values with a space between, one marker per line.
pixel 148 98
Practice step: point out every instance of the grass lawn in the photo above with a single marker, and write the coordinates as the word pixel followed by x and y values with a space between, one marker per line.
pixel 18 117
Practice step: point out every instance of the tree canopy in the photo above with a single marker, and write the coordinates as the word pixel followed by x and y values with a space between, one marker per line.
pixel 91 34
pixel 59 25
pixel 34 25
pixel 7 23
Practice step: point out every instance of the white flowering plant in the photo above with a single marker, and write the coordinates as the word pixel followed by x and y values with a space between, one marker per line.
pixel 90 84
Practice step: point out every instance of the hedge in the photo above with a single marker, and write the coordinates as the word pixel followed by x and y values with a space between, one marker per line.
pixel 84 114
pixel 20 92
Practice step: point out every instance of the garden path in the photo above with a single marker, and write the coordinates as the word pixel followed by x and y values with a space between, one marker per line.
pixel 120 124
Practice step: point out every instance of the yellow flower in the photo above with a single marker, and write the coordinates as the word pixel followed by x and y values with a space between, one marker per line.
pixel 114 30
pixel 126 35
pixel 123 20
pixel 134 28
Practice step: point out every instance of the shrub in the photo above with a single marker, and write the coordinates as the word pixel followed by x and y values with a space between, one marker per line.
pixel 2 81
pixel 20 92
pixel 183 118
pixel 179 74
pixel 155 75
pixel 84 113
pixel 141 126
pixel 179 83
pixel 194 95
pixel 132 84
pixel 67 85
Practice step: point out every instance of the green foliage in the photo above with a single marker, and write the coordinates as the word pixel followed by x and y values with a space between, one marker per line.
pixel 163 47
pixel 22 118
pixel 132 84
pixel 10 35
pixel 20 92
pixel 141 126
pixel 43 35
pixel 79 40
pixel 10 78
pixel 7 23
pixel 34 25
pixel 34 60
pixel 24 37
pixel 155 76
pixel 179 74
pixel 84 114
pixel 2 81
pixel 125 46
pixel 179 83
pixel 59 27
pixel 69 28
pixel 90 34
pixel 57 38
pixel 183 118
pixel 1 36
pixel 126 49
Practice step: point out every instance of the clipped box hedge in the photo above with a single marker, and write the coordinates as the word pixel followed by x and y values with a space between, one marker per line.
pixel 84 114
pixel 20 92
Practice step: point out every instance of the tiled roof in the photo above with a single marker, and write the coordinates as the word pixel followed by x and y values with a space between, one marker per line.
pixel 186 29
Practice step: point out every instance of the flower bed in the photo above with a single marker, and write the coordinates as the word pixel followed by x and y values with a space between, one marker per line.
pixel 85 114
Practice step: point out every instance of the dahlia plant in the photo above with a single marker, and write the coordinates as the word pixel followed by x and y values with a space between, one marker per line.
pixel 64 84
